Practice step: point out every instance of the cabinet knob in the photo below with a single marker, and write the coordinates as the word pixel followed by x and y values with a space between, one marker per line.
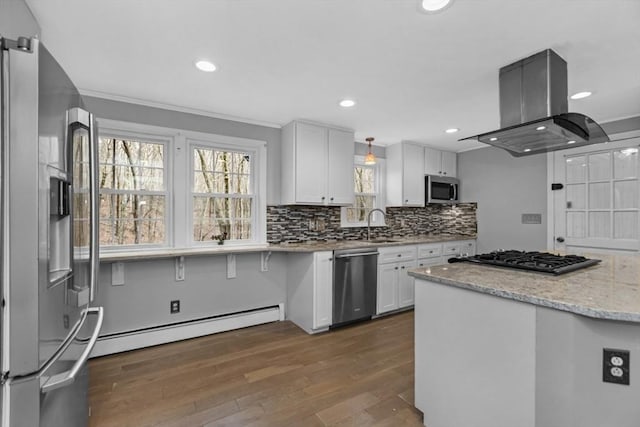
pixel 331 199
pixel 330 259
pixel 406 201
pixel 444 173
pixel 421 265
pixel 395 268
pixel 399 255
pixel 323 198
pixel 439 171
pixel 402 267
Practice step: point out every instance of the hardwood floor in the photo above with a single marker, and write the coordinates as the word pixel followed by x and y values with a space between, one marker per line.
pixel 268 375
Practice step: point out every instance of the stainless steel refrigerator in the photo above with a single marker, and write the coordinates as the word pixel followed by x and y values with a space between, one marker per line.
pixel 49 228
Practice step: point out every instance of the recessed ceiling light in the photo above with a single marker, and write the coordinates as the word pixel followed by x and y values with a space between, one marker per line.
pixel 431 6
pixel 206 66
pixel 526 150
pixel 452 130
pixel 541 128
pixel 571 142
pixel 580 95
pixel 493 138
pixel 346 103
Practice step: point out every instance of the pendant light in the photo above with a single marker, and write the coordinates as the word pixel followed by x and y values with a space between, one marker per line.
pixel 369 159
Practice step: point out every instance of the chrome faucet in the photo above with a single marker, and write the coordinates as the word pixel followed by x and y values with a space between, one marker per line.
pixel 369 221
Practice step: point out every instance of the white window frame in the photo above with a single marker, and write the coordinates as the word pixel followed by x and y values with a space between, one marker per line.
pixel 178 232
pixel 257 151
pixel 377 220
pixel 129 131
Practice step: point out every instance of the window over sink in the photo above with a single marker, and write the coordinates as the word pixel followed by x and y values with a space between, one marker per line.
pixel 369 194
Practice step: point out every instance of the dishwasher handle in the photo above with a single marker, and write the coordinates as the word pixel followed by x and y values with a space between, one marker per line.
pixel 356 254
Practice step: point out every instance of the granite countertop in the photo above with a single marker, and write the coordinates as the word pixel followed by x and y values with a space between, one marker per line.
pixel 313 246
pixel 354 244
pixel 609 290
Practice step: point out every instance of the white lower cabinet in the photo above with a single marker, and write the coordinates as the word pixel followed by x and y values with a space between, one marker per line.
pixel 395 286
pixel 322 289
pixel 310 290
pixel 406 285
pixel 459 248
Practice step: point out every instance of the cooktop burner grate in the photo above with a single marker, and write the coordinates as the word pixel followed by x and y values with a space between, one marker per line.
pixel 532 261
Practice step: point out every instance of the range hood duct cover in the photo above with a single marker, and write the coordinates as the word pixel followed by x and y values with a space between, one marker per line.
pixel 534 115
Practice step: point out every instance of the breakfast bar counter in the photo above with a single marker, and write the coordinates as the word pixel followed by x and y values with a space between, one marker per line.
pixel 496 347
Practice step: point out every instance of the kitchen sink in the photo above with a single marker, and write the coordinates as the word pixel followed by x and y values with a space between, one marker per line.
pixel 383 240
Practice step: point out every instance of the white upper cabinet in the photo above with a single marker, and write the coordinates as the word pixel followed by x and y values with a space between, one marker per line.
pixel 341 152
pixel 317 165
pixel 438 162
pixel 405 174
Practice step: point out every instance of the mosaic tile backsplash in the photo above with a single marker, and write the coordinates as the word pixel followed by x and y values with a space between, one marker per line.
pixel 294 224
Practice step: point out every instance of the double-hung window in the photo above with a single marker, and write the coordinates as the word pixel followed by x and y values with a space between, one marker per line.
pixel 368 188
pixel 133 190
pixel 222 194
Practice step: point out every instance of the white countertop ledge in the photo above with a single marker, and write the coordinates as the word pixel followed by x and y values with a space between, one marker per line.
pixel 170 253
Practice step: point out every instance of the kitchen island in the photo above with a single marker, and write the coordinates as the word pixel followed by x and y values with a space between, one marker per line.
pixel 498 347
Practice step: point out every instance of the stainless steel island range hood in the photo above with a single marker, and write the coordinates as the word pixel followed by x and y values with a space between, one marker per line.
pixel 534 115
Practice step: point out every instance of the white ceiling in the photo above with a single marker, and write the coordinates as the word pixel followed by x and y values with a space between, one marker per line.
pixel 413 74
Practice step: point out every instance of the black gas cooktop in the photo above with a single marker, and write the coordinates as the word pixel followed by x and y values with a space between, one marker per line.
pixel 542 262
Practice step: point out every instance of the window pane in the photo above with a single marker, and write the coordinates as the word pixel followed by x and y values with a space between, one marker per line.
pixel 625 163
pixel 241 163
pixel 600 196
pixel 364 179
pixel 240 230
pixel 576 169
pixel 625 194
pixel 576 224
pixel 599 166
pixel 576 196
pixel 241 208
pixel 599 224
pixel 150 179
pixel 239 184
pixel 132 232
pixel 625 225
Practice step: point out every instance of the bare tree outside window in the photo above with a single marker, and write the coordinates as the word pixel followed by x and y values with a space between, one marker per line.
pixel 132 192
pixel 222 195
pixel 365 194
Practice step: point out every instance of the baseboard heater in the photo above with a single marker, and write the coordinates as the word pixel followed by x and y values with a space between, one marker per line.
pixel 125 341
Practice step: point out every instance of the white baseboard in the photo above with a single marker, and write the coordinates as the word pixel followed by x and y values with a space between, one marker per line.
pixel 140 339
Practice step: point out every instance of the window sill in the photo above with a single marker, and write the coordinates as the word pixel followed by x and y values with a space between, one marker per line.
pixel 170 253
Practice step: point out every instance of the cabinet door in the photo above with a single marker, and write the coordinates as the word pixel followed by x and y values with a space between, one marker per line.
pixel 387 287
pixel 413 175
pixel 340 168
pixel 311 164
pixel 406 284
pixel 322 289
pixel 449 163
pixel 432 161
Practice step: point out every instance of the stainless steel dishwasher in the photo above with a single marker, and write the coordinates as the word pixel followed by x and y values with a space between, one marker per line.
pixel 355 283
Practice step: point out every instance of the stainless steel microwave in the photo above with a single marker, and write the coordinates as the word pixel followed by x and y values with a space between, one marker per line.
pixel 441 189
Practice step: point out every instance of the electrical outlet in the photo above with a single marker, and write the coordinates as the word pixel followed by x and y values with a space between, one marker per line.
pixel 615 366
pixel 175 306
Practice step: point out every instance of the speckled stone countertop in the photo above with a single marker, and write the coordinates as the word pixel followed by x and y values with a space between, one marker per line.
pixel 314 246
pixel 354 244
pixel 609 290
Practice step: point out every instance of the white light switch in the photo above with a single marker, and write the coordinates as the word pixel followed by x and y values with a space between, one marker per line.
pixel 117 274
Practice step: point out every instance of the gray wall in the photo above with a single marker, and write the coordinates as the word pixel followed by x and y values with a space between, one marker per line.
pixel 150 285
pixel 505 187
pixel 116 110
pixel 17 20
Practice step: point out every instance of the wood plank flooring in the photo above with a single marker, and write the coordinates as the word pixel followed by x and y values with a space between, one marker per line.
pixel 267 375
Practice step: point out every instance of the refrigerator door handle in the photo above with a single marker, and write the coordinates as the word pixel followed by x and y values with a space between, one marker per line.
pixel 65 378
pixel 86 120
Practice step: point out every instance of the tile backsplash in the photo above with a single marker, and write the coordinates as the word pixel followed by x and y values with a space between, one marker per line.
pixel 293 224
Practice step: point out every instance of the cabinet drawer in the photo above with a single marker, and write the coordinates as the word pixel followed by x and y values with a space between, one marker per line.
pixel 431 250
pixel 458 248
pixel 396 253
pixel 428 262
